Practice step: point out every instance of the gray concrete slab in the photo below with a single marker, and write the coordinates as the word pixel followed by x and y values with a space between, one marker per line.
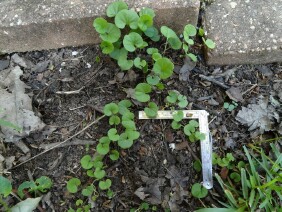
pixel 245 31
pixel 45 24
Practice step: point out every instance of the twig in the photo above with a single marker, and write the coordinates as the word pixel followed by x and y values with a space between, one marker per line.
pixel 211 79
pixel 251 88
pixel 73 142
pixel 70 92
pixel 57 145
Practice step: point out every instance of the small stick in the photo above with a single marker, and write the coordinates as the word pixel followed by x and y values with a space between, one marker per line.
pixel 73 142
pixel 57 145
pixel 251 88
pixel 70 92
pixel 211 79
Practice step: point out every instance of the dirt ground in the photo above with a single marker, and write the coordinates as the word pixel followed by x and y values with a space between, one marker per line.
pixel 166 175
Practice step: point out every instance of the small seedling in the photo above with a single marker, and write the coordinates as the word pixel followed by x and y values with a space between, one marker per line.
pixel 199 191
pixel 230 106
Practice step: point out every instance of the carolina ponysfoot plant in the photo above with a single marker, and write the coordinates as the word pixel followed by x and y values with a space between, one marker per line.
pixel 260 184
pixel 40 185
pixel 126 37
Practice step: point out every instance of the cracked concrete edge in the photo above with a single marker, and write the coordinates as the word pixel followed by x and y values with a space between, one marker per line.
pixel 79 31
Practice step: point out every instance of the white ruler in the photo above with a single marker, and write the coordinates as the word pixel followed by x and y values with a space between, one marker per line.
pixel 206 144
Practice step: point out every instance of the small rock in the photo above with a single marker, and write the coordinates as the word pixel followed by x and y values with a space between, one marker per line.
pixel 40 67
pixel 4 64
pixel 265 71
pixel 212 102
pixel 19 60
pixel 235 94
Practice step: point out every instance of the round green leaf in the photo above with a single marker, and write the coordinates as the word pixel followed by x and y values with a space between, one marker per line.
pixel 192 56
pixel 189 30
pixel 125 64
pixel 123 106
pixel 152 110
pixel 132 134
pixel 114 155
pixel 43 183
pixel 132 41
pixel 163 67
pixel 127 116
pixel 6 186
pixel 125 143
pixel 199 191
pixel 86 162
pixel 138 63
pixel 99 173
pixel 209 43
pixel 235 177
pixel 145 21
pixel 100 25
pixel 152 50
pixel 103 148
pixel 129 125
pixel 115 7
pixel 182 101
pixel 147 11
pixel 104 185
pixel 72 185
pixel 112 134
pixel 178 116
pixel 141 91
pixel 174 42
pixel 112 33
pixel 152 79
pixel 107 47
pixel 127 17
pixel 114 120
pixel 153 34
pixel 88 190
pixel 156 56
pixel 175 125
pixel 197 165
pixel 200 136
pixel 172 97
pixel 110 109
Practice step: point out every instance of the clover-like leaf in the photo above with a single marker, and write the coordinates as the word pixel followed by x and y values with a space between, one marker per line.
pixel 145 21
pixel 138 63
pixel 124 106
pixel 192 56
pixel 132 41
pixel 156 56
pixel 141 92
pixel 197 165
pixel 127 116
pixel 153 33
pixel 114 155
pixel 128 124
pixel 43 183
pixel 27 184
pixel 132 134
pixel 125 64
pixel 127 17
pixel 99 173
pixel 235 177
pixel 119 53
pixel 153 79
pixel 86 162
pixel 152 110
pixel 163 67
pixel 107 47
pixel 172 97
pixel 6 186
pixel 100 25
pixel 199 136
pixel 152 50
pixel 147 11
pixel 182 101
pixel 199 191
pixel 171 37
pixel 111 34
pixel 88 190
pixel 104 185
pixel 104 146
pixel 209 43
pixel 115 7
pixel 114 120
pixel 189 30
pixel 110 109
pixel 175 125
pixel 72 185
pixel 124 142
pixel 178 116
pixel 112 134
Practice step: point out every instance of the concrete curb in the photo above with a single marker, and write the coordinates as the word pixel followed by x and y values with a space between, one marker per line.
pixel 51 24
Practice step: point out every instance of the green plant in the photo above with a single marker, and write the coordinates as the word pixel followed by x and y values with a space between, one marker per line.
pixel 230 106
pixel 223 162
pixel 144 206
pixel 199 191
pixel 259 187
pixel 126 36
pixel 40 185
